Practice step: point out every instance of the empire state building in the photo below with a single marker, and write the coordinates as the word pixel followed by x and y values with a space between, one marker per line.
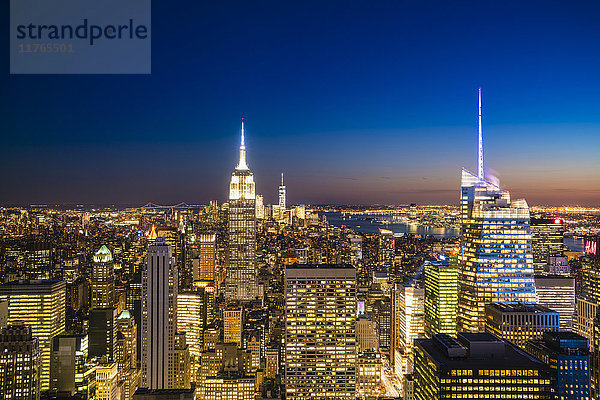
pixel 240 281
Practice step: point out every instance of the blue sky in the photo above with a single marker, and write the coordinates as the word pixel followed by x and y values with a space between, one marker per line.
pixel 356 102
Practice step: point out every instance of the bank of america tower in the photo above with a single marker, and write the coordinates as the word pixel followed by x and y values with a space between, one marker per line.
pixel 495 259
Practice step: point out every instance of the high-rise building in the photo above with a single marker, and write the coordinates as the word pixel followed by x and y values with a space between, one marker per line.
pixel 232 326
pixel 558 294
pixel 368 375
pixel 477 366
pixel 41 305
pixel 159 317
pixel 207 258
pixel 366 338
pixel 356 250
pixel 103 279
pixel 190 319
pixel 19 363
pixel 546 240
pixel 126 354
pixel 518 322
pixel 227 385
pixel 320 339
pixel 441 296
pixel 107 382
pixel 595 362
pixel 241 278
pixel 260 206
pixel 558 264
pixel 568 356
pixel 382 316
pixel 409 323
pixel 70 371
pixel 182 368
pixel 386 250
pixel 495 259
pixel 588 300
pixel 282 200
pixel 103 333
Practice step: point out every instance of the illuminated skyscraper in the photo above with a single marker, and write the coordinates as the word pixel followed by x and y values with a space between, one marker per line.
pixel 568 356
pixel 495 261
pixel 107 382
pixel 282 200
pixel 241 280
pixel 477 366
pixel 588 300
pixel 232 326
pixel 41 305
pixel 19 364
pixel 546 240
pixel 409 322
pixel 519 322
pixel 103 279
pixel 182 368
pixel 558 294
pixel 159 317
pixel 441 296
pixel 260 206
pixel 320 339
pixel 126 354
pixel 207 258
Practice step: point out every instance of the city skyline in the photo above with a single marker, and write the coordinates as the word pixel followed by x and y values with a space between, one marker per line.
pixel 353 109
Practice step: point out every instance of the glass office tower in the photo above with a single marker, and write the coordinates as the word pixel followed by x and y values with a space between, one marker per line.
pixel 495 259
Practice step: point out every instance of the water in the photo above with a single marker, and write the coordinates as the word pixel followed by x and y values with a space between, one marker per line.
pixel 574 243
pixel 370 226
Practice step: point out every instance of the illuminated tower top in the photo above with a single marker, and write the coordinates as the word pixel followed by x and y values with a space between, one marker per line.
pixel 242 164
pixel 480 174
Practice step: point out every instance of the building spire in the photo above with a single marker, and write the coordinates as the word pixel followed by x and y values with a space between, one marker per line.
pixel 242 164
pixel 243 142
pixel 480 173
pixel 282 179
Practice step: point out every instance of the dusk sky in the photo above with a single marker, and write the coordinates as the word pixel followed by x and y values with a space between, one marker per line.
pixel 356 102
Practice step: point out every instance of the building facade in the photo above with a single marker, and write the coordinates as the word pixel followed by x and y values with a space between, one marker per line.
pixel 320 339
pixel 19 363
pixel 518 322
pixel 41 305
pixel 495 257
pixel 159 317
pixel 441 297
pixel 477 366
pixel 241 276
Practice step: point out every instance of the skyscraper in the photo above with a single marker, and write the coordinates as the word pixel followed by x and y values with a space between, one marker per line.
pixel 282 200
pixel 409 323
pixel 19 364
pixel 103 279
pixel 207 258
pixel 159 317
pixel 546 240
pixel 70 370
pixel 568 356
pixel 558 294
pixel 241 280
pixel 477 366
pixel 41 305
pixel 519 322
pixel 441 294
pixel 232 325
pixel 495 261
pixel 320 339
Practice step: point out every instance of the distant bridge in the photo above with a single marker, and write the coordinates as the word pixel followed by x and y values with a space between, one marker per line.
pixel 151 205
